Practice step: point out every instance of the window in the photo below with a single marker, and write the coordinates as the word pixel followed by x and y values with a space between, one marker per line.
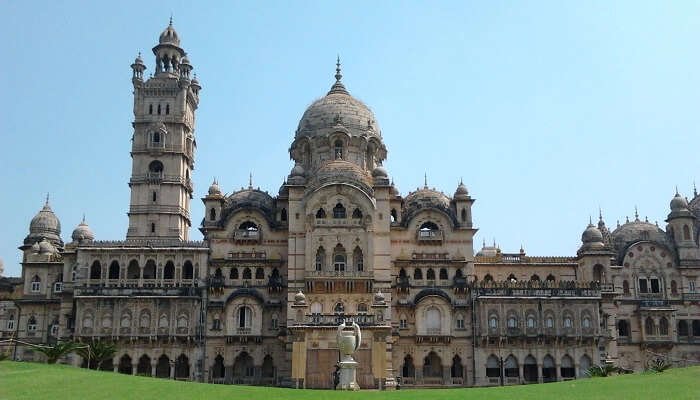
pixel 11 323
pixel 338 211
pixel 686 232
pixel 428 230
pixel 674 287
pixel 36 284
pixel 158 109
pixel 362 308
pixel 623 329
pixel 691 286
pixel 512 278
pixel 96 270
pixel 247 273
pixel 531 323
pixel 233 274
pixel 586 322
pixel 58 287
pixel 512 322
pixel 643 286
pixel 430 275
pixel 54 330
pixel 649 327
pixel 443 273
pixel 156 137
pixel 432 320
pixel 150 108
pixel 493 322
pixel 550 277
pixel 549 322
pixel 113 270
pixel 655 286
pixel 567 322
pixel 493 369
pixel 259 273
pixel 567 367
pixel 403 323
pixel 696 327
pixel 356 213
pixel 153 227
pixel 394 215
pixel 339 308
pixel 244 317
pixel 338 150
pixel 31 324
pixel 167 109
pixel 339 258
pixel 682 328
pixel 320 258
pixel 464 215
pixel 625 287
pixel 418 274
pixel 283 214
pixel 488 278
pixel 274 322
pixel 155 168
pixel 212 214
pixel 358 259
pixel 535 277
pixel 187 270
pixel 663 326
pixel 460 321
pixel 321 213
pixel 511 367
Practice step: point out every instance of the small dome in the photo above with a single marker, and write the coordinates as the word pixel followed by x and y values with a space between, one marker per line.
pixel 678 203
pixel 380 172
pixel 394 191
pixel 298 170
pixel 461 189
pixel 214 189
pixel 592 235
pixel 44 225
pixel 46 247
pixel 82 232
pixel 284 190
pixel 185 60
pixel 138 60
pixel 299 298
pixel 169 36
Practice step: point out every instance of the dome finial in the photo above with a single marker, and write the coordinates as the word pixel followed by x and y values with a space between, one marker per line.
pixel 338 75
pixel 425 180
pixel 47 199
pixel 600 214
pixel 250 181
pixel 171 18
pixel 83 221
pixel 590 220
pixel 677 191
pixel 636 214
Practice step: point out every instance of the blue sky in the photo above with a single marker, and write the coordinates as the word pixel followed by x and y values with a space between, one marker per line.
pixel 547 110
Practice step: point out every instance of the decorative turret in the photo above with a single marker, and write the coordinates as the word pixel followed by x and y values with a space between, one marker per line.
pixel 463 205
pixel 138 67
pixel 681 224
pixel 44 225
pixel 82 233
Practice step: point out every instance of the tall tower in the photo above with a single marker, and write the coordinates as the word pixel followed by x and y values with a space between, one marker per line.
pixel 163 144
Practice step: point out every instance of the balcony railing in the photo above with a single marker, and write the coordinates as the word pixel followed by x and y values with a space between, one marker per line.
pixel 429 235
pixel 607 287
pixel 246 235
pixel 535 292
pixel 339 274
pixel 655 303
pixel 691 296
pixel 337 319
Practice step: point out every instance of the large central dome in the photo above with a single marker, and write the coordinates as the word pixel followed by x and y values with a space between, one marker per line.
pixel 335 111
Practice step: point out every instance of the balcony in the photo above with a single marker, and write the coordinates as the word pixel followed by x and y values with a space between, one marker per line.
pixel 339 274
pixel 607 288
pixel 535 292
pixel 654 304
pixel 691 296
pixel 336 319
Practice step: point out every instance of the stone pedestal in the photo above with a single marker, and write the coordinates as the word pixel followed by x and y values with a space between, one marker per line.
pixel 348 375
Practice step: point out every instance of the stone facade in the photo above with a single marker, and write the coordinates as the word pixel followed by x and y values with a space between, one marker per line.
pixel 259 299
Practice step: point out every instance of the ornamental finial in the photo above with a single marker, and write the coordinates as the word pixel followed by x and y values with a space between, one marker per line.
pixel 338 75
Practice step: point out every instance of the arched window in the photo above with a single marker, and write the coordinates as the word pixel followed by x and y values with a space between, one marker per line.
pixel 155 168
pixel 212 214
pixel 187 270
pixel 394 215
pixel 493 322
pixel 535 277
pixel 358 259
pixel 586 322
pixel 663 326
pixel 234 273
pixel 402 273
pixel 247 273
pixel 36 284
pixel 163 367
pixel 154 196
pixel 625 287
pixel 125 366
pixel 159 105
pixel 167 109
pixel 339 308
pixel 433 320
pixel 243 366
pixel 321 213
pixel 316 308
pixel 531 322
pixel 113 270
pixel 133 271
pixel 96 270
pixel 512 321
pixel 156 137
pixel 259 273
pixel 356 213
pixel 674 287
pixel 338 211
pixel 218 273
pixel 430 275
pixel 169 270
pixel 649 327
pixel 153 227
pixel 598 273
pixel 31 324
pixel 432 366
pixel 443 273
pixel 459 321
pixel 686 232
pixel 182 367
pixel 623 329
pixel 283 214
pixel 362 308
pixel 457 371
pixel 338 150
pixel 403 322
pixel 682 327
pixel 408 370
pixel 530 373
pixel 268 368
pixel 339 258
pixel 218 370
pixel 149 271
pixel 428 230
pixel 549 322
pixel 488 278
pixel 11 323
pixel 464 215
pixel 150 108
pixel 511 367
pixel 320 258
pixel 417 274
pixel 568 323
pixel 245 317
pixel 550 277
pixel 493 369
pixel 512 278
pixel 567 367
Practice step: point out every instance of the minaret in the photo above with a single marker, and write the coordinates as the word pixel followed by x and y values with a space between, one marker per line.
pixel 163 143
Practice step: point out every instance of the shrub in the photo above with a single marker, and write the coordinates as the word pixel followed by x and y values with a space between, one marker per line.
pixel 603 370
pixel 658 365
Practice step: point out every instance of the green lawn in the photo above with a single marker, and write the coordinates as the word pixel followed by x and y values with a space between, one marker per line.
pixel 56 382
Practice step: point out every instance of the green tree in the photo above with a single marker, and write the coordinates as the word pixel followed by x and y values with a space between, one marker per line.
pixel 97 352
pixel 57 351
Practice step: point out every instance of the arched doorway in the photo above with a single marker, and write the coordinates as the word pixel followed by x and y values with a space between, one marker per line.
pixel 218 371
pixel 530 369
pixel 549 371
pixel 432 368
pixel 243 370
pixel 163 367
pixel 583 366
pixel 457 371
pixel 144 366
pixel 125 366
pixel 408 371
pixel 182 368
pixel 567 367
pixel 268 371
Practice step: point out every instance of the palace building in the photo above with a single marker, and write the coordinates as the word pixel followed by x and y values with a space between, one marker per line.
pixel 258 300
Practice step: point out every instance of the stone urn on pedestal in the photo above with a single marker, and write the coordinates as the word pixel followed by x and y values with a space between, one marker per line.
pixel 348 343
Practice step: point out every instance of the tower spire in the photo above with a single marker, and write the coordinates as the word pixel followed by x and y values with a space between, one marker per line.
pixel 695 190
pixel 250 181
pixel 47 199
pixel 636 214
pixel 425 180
pixel 338 75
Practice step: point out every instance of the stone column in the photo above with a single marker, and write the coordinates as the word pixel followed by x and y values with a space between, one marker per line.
pixel 419 375
pixel 520 369
pixel 172 370
pixel 153 370
pixel 116 368
pixel 540 378
pixel 134 367
pixel 446 375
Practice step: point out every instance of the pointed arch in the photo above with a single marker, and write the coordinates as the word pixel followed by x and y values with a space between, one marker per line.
pixel 169 270
pixel 339 211
pixel 96 270
pixel 113 270
pixel 320 259
pixel 358 259
pixel 339 258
